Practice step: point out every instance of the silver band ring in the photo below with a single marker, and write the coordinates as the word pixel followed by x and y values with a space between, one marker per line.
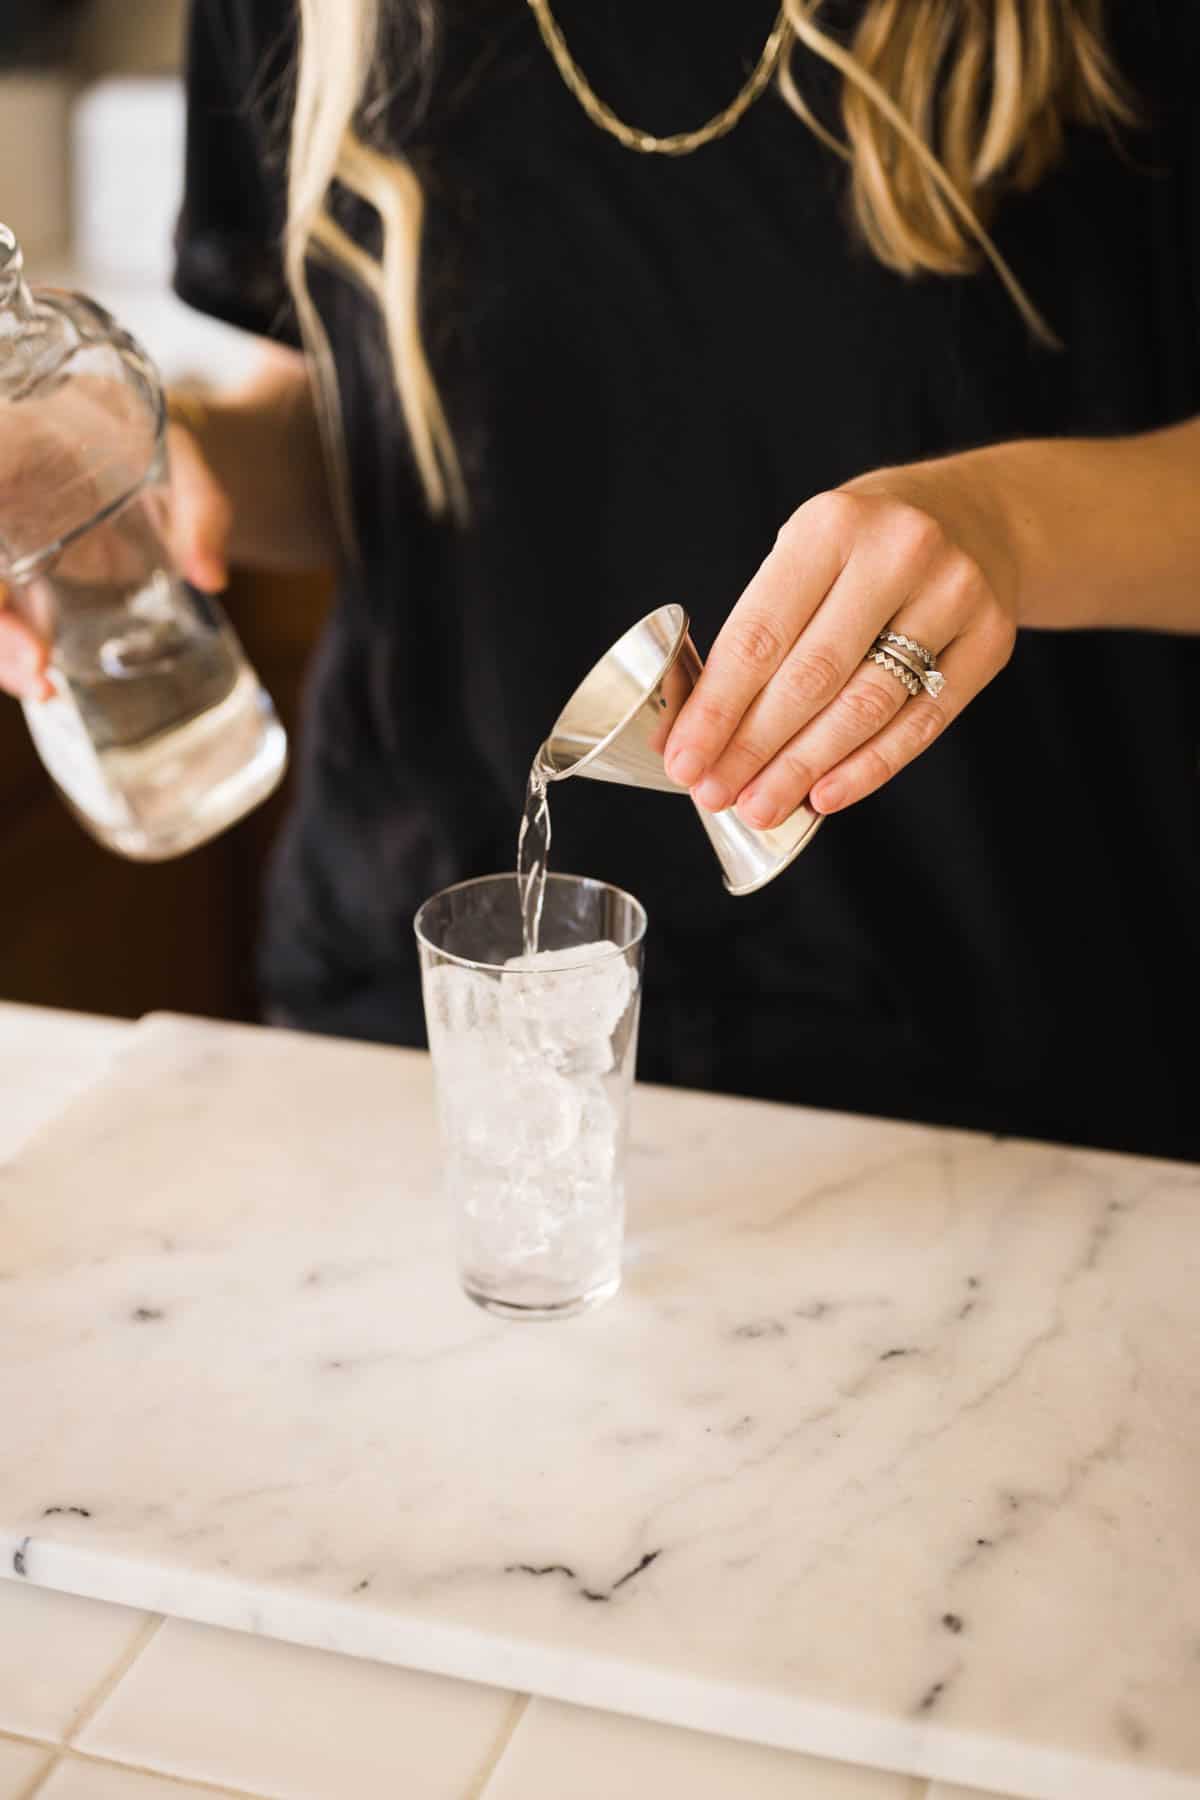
pixel 908 661
pixel 900 670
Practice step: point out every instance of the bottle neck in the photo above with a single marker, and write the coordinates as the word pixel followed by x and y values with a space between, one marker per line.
pixel 16 302
pixel 35 335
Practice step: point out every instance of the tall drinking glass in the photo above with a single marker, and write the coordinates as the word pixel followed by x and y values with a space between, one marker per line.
pixel 533 1063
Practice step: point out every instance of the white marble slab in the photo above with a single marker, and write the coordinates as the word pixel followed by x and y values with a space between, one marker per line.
pixel 887 1453
pixel 47 1058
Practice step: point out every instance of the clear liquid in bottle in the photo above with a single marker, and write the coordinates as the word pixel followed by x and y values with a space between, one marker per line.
pixel 158 734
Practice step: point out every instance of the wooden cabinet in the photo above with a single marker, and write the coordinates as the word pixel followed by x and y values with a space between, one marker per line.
pixel 82 928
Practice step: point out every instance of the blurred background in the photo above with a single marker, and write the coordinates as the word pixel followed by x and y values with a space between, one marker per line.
pixel 91 151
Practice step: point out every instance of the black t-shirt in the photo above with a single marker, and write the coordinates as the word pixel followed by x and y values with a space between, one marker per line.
pixel 648 365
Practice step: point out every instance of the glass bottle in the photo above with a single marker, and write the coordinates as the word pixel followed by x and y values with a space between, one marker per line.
pixel 158 733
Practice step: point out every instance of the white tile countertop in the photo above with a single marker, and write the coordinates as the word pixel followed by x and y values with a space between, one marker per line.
pixel 907 1416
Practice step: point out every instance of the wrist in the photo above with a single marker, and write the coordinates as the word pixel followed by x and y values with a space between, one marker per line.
pixel 989 521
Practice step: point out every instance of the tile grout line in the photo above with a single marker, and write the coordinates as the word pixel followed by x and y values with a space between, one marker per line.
pixel 483 1781
pixel 30 1737
pixel 166 1776
pixel 107 1686
pixel 87 1709
pixel 37 1785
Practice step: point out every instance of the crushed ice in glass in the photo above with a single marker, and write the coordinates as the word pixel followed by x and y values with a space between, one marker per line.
pixel 527 1057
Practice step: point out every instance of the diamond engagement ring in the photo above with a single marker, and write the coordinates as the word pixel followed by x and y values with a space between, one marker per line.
pixel 911 663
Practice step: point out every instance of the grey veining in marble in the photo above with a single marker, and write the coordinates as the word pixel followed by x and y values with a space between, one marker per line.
pixel 887 1452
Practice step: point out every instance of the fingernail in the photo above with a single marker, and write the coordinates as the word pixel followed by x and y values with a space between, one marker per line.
pixel 758 811
pixel 685 767
pixel 828 797
pixel 712 795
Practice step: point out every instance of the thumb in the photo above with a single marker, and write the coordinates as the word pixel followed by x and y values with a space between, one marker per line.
pixel 202 515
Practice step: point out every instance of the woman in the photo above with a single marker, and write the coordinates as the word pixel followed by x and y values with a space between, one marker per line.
pixel 899 335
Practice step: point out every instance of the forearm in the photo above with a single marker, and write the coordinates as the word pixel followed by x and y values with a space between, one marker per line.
pixel 263 444
pixel 1085 532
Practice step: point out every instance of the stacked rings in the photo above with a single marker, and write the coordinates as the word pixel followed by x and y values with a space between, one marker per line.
pixel 911 663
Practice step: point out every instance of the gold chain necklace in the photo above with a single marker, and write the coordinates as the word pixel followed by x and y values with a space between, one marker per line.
pixel 680 143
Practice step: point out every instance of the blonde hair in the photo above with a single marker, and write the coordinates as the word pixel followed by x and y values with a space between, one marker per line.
pixel 942 103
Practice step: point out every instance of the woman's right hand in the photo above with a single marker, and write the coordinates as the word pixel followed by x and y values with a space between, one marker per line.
pixel 201 519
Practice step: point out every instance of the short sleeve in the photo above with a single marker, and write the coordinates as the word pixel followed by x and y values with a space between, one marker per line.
pixel 229 238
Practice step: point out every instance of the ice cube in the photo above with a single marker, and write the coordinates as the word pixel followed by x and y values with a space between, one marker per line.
pixel 595 1157
pixel 567 1011
pixel 460 1000
pixel 504 1113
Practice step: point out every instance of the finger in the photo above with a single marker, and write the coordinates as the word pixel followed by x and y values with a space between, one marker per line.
pixel 875 586
pixel 868 701
pixel 863 705
pixel 968 665
pixel 807 558
pixel 23 657
pixel 201 516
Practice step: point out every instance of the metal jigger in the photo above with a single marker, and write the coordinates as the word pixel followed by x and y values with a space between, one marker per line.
pixel 615 727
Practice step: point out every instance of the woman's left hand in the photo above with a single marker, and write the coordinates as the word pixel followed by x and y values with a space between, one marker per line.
pixel 787 708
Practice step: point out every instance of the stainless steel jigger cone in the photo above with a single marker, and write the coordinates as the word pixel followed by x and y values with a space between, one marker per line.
pixel 615 727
